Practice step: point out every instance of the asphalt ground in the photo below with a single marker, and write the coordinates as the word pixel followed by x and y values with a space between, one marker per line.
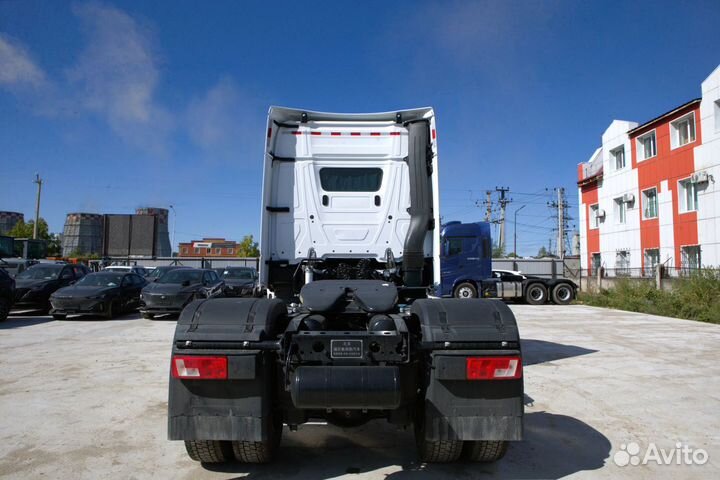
pixel 87 398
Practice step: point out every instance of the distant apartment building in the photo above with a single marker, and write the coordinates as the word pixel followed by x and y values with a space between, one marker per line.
pixel 649 195
pixel 209 247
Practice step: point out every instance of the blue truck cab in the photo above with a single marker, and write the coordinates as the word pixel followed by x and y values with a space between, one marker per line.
pixel 465 257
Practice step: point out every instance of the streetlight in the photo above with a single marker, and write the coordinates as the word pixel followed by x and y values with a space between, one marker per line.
pixel 173 232
pixel 515 230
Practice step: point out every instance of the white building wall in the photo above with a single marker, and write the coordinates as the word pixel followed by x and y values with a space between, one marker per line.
pixel 707 158
pixel 666 224
pixel 615 236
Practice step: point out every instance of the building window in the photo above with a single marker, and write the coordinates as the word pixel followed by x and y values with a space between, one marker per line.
pixel 646 146
pixel 622 262
pixel 682 131
pixel 208 250
pixel 652 260
pixel 596 263
pixel 690 260
pixel 650 206
pixel 594 220
pixel 217 251
pixel 620 210
pixel 618 156
pixel 231 251
pixel 185 250
pixel 688 196
pixel 717 115
pixel 197 250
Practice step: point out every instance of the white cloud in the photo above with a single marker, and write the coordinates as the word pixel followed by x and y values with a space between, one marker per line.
pixel 223 121
pixel 117 74
pixel 17 68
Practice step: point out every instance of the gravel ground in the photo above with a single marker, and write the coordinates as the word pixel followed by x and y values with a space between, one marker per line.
pixel 87 398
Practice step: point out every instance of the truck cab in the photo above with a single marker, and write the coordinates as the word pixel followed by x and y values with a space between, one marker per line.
pixel 466 258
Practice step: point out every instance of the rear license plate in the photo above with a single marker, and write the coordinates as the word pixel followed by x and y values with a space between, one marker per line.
pixel 346 348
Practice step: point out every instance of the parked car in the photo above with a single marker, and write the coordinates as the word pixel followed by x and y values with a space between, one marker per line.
pixel 159 272
pixel 240 281
pixel 137 269
pixel 101 293
pixel 34 286
pixel 13 266
pixel 7 294
pixel 178 287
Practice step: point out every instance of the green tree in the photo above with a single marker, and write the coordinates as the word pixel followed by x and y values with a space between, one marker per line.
pixel 25 230
pixel 542 252
pixel 498 251
pixel 248 247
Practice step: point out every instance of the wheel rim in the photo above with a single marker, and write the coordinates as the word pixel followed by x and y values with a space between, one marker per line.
pixel 563 294
pixel 465 292
pixel 536 293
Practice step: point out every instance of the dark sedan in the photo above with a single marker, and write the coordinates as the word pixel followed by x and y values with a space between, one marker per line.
pixel 103 293
pixel 7 294
pixel 176 288
pixel 34 286
pixel 159 272
pixel 240 281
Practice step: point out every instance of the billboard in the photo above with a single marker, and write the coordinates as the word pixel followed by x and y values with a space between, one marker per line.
pixel 129 235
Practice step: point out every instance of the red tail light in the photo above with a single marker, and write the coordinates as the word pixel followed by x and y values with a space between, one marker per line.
pixel 199 368
pixel 493 368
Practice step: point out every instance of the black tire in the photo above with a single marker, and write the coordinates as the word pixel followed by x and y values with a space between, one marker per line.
pixel 110 311
pixel 465 290
pixel 443 451
pixel 208 451
pixel 563 294
pixel 59 316
pixel 484 450
pixel 148 316
pixel 260 452
pixel 4 309
pixel 536 294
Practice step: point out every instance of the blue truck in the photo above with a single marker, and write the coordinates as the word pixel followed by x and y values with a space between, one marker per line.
pixel 466 270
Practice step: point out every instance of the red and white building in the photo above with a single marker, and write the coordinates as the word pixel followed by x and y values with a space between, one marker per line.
pixel 650 194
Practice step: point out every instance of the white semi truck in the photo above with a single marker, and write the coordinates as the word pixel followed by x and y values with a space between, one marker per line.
pixel 350 257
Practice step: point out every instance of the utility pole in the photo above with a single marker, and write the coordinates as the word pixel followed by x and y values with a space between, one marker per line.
pixel 39 182
pixel 503 203
pixel 561 223
pixel 488 205
pixel 515 230
pixel 562 218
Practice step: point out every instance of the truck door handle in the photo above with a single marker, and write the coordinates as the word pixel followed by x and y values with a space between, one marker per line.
pixel 325 200
pixel 377 200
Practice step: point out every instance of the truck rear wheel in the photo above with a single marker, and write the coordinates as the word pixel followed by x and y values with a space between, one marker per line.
pixel 484 450
pixel 4 309
pixel 441 451
pixel 259 452
pixel 563 294
pixel 148 316
pixel 208 451
pixel 466 290
pixel 536 294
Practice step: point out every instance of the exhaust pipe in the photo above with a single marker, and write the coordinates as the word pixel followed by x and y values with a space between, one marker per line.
pixel 420 202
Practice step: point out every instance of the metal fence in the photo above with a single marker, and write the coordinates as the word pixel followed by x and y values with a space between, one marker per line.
pixel 197 262
pixel 542 267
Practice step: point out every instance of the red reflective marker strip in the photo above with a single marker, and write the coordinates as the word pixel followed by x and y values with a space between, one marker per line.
pixel 199 368
pixel 374 134
pixel 295 132
pixel 394 134
pixel 433 134
pixel 355 134
pixel 269 132
pixel 335 134
pixel 493 368
pixel 315 133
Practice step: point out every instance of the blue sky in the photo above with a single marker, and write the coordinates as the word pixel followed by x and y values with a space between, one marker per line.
pixel 125 104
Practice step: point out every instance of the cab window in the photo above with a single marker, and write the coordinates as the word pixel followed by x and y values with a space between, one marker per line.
pixel 454 246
